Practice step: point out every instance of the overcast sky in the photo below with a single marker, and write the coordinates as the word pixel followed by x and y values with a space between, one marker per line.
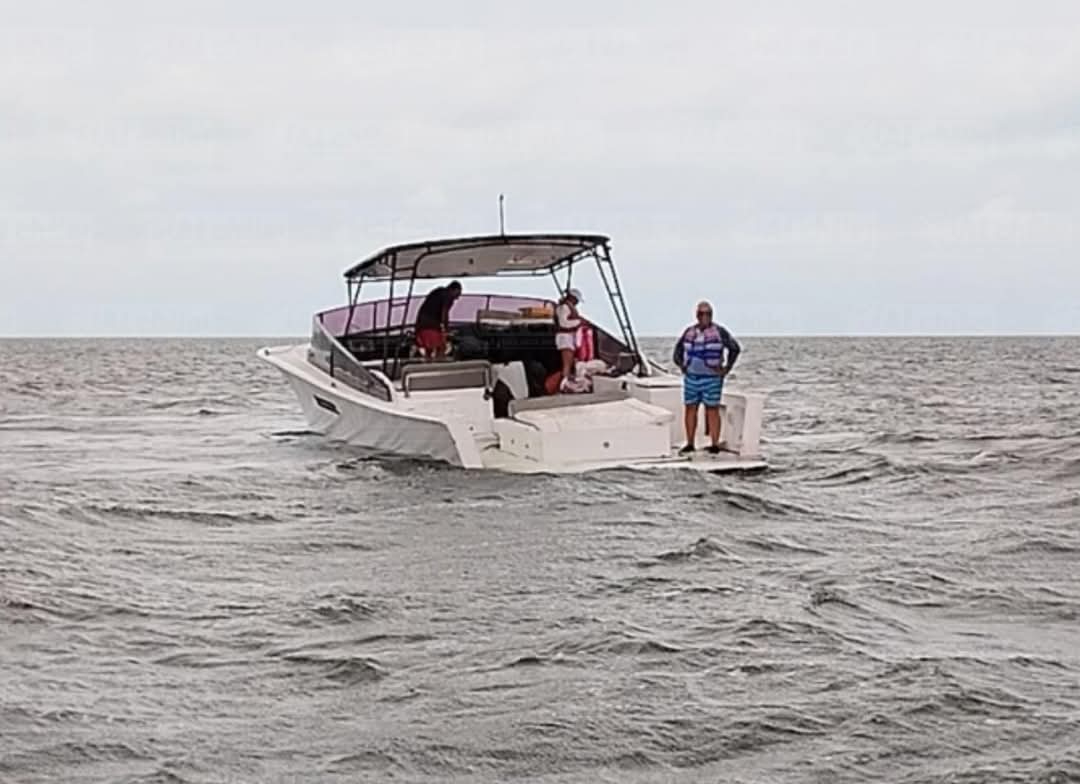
pixel 861 167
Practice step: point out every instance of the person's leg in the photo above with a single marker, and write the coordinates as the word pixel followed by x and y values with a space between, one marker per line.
pixel 691 401
pixel 712 425
pixel 690 421
pixel 567 355
pixel 711 398
pixel 423 344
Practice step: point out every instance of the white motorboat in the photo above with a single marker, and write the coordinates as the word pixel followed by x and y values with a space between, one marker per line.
pixel 359 382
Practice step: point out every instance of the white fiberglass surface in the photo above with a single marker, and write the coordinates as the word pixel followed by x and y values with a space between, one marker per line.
pixel 610 415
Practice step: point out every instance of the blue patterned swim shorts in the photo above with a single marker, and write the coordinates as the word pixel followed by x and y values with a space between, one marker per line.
pixel 702 389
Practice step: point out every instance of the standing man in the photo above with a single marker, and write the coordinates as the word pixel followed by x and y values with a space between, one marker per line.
pixel 700 353
pixel 433 320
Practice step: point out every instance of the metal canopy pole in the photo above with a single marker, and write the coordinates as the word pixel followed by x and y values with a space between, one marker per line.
pixel 354 297
pixel 405 315
pixel 359 285
pixel 555 278
pixel 618 304
pixel 389 310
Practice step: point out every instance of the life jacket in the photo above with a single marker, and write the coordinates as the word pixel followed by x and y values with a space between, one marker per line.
pixel 703 350
pixel 585 348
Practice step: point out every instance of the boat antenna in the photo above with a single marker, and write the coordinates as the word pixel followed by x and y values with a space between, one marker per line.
pixel 502 215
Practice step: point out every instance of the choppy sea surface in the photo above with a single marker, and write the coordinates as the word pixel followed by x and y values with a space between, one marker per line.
pixel 194 589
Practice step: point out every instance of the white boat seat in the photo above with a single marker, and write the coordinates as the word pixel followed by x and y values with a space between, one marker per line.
pixel 616 430
pixel 429 376
pixel 563 401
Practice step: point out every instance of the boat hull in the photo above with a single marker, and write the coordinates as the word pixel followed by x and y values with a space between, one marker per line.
pixel 343 414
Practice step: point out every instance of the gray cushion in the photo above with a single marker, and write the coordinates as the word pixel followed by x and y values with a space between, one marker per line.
pixel 429 376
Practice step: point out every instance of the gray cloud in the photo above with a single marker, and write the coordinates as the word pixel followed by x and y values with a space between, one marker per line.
pixel 837 168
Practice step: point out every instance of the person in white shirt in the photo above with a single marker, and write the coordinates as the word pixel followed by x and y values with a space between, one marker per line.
pixel 567 322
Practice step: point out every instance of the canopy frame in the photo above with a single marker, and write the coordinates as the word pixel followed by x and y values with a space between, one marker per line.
pixel 395 260
pixel 579 247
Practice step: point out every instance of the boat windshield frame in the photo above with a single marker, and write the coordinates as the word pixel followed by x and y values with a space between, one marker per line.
pixel 551 254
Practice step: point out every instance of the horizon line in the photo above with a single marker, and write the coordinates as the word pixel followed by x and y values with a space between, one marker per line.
pixel 745 335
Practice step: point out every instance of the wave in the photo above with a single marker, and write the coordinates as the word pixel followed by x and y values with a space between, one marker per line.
pixel 911 437
pixel 1070 470
pixel 755 504
pixel 632 584
pixel 39 424
pixel 366 761
pixel 703 549
pixel 828 595
pixel 340 669
pixel 1029 767
pixel 765 630
pixel 72 753
pixel 390 465
pixel 730 734
pixel 1040 545
pixel 874 467
pixel 69 605
pixel 639 647
pixel 775 545
pixel 198 660
pixel 344 608
pixel 957 700
pixel 393 639
pixel 849 475
pixel 159 776
pixel 198 404
pixel 531 660
pixel 618 643
pixel 16 611
pixel 212 518
pixel 328 546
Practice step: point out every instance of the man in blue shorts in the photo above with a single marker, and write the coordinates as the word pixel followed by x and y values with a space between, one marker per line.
pixel 706 353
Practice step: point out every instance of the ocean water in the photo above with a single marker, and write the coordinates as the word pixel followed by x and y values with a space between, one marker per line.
pixel 194 589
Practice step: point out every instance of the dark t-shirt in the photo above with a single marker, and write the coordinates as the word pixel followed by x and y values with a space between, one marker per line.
pixel 436 303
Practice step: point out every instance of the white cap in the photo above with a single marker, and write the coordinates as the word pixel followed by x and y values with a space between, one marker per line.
pixel 576 294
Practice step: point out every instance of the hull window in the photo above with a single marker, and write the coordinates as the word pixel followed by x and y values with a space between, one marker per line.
pixel 326 404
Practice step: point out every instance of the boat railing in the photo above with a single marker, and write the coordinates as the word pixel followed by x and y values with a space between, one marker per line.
pixel 327 354
pixel 372 316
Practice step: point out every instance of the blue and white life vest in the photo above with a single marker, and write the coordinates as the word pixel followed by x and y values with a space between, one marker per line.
pixel 703 350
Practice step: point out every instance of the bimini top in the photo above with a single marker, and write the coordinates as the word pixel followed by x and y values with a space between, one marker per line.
pixel 498 254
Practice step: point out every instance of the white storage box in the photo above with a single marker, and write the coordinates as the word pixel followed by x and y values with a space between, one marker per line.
pixel 665 392
pixel 616 430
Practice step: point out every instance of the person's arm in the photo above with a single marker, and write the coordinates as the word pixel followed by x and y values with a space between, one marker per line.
pixel 678 355
pixel 447 304
pixel 733 349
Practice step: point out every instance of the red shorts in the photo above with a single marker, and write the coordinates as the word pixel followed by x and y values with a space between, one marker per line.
pixel 431 340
